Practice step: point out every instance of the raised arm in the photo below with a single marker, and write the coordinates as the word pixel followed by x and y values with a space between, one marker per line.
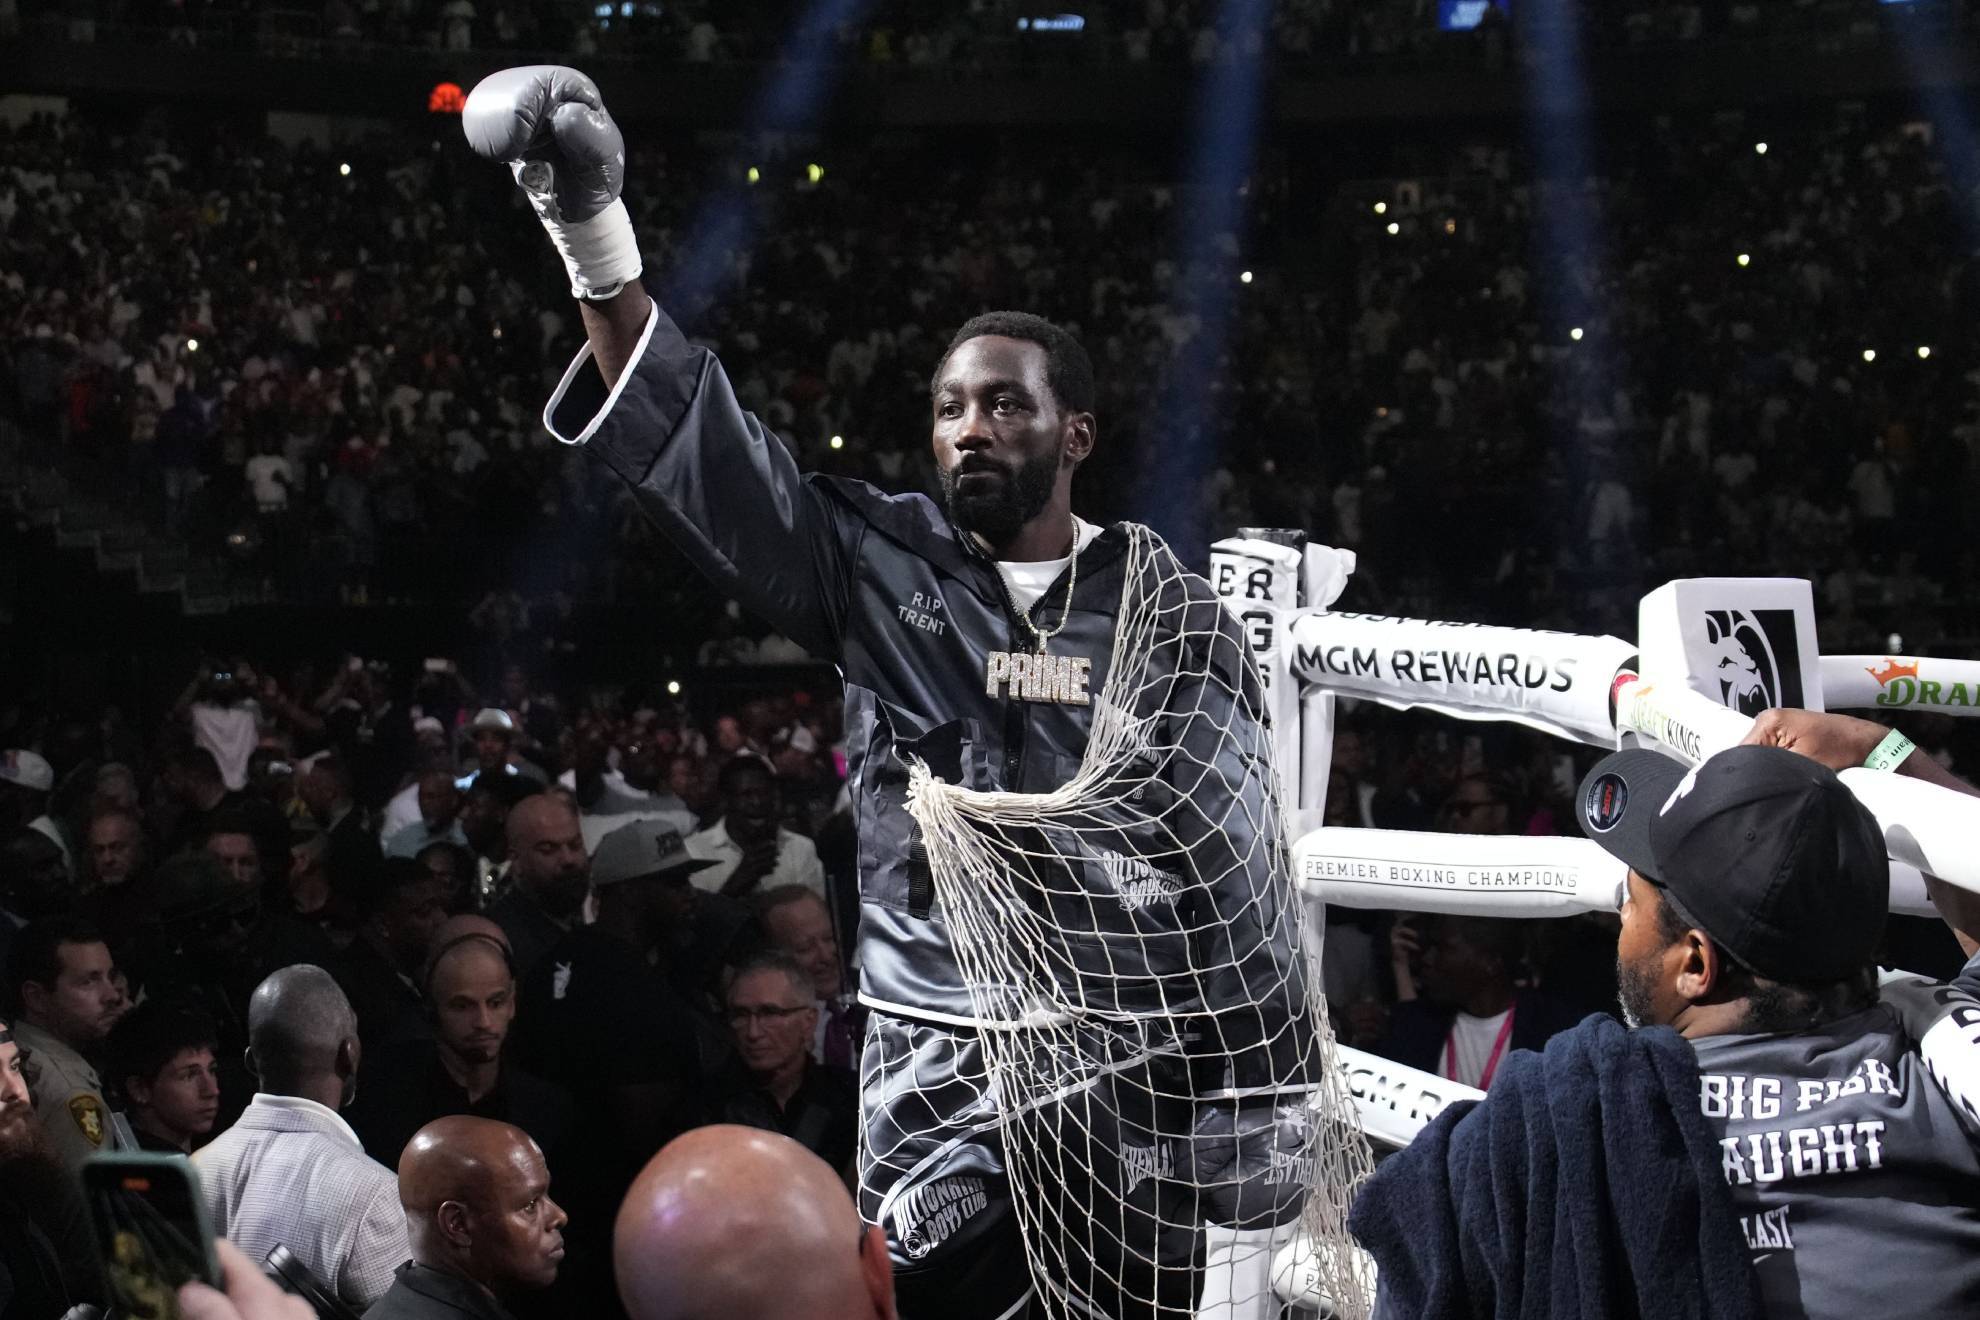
pixel 614 325
pixel 1843 741
pixel 655 408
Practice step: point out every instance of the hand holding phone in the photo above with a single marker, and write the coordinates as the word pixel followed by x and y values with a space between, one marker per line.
pixel 152 1233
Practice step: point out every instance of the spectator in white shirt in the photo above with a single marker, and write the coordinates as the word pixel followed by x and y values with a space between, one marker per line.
pixel 269 476
pixel 751 851
pixel 291 1172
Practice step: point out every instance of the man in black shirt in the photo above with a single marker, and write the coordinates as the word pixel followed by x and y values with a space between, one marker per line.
pixel 400 909
pixel 207 807
pixel 471 997
pixel 163 1069
pixel 597 1015
pixel 774 1083
pixel 485 1231
pixel 549 877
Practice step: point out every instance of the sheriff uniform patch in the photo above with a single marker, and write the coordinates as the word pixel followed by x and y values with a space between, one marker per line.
pixel 87 1110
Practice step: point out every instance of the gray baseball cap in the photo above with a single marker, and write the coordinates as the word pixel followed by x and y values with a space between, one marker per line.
pixel 642 849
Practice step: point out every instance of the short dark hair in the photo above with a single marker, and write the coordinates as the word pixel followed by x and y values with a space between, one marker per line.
pixel 742 763
pixel 1503 938
pixel 1068 369
pixel 769 900
pixel 227 820
pixel 154 1033
pixel 385 881
pixel 195 760
pixel 112 811
pixel 775 960
pixel 1773 1006
pixel 37 952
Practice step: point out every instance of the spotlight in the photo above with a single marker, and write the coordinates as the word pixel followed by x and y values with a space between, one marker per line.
pixel 1575 334
pixel 753 174
pixel 1381 208
pixel 1744 259
pixel 192 346
pixel 1450 226
pixel 345 169
pixel 1869 355
pixel 1759 148
pixel 673 687
pixel 1244 277
pixel 1394 228
pixel 814 173
pixel 838 442
pixel 1924 350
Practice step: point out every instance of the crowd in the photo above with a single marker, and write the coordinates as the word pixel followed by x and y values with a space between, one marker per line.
pixel 973 36
pixel 388 927
pixel 602 927
pixel 1721 354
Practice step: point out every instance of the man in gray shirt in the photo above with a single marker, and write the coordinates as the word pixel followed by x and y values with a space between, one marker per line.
pixel 1757 894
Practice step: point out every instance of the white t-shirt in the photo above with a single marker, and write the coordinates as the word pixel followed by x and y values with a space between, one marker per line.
pixel 1473 1039
pixel 1028 581
pixel 797 860
pixel 262 472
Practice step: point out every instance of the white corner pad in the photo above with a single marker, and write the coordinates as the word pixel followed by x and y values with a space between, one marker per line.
pixel 584 355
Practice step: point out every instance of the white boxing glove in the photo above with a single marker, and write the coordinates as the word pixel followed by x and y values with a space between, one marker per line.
pixel 549 125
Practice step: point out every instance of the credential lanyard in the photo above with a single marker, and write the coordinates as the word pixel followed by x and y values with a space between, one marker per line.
pixel 1491 1060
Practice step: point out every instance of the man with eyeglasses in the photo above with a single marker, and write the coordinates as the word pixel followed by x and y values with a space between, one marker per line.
pixel 1475 806
pixel 775 1083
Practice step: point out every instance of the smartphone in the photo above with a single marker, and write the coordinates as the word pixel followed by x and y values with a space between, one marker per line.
pixel 438 666
pixel 152 1232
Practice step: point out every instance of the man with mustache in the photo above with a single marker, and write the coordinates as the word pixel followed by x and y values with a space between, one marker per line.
pixel 46 1256
pixel 470 994
pixel 485 1231
pixel 975 636
pixel 549 874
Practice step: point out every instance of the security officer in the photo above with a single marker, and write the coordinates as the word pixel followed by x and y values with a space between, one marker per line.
pixel 66 1000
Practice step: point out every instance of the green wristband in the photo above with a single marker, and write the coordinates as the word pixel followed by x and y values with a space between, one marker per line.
pixel 1891 752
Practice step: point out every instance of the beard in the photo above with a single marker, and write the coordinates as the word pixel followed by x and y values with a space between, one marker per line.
pixel 997 510
pixel 28 1163
pixel 1636 992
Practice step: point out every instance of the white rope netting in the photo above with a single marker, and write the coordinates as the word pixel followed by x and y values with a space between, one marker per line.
pixel 1159 1055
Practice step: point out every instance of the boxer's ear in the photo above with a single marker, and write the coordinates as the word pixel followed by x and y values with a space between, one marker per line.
pixel 1078 437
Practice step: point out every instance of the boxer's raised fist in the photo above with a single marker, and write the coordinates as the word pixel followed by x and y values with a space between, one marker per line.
pixel 550 126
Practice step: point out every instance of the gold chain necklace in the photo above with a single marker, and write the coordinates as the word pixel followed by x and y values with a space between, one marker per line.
pixel 1024 616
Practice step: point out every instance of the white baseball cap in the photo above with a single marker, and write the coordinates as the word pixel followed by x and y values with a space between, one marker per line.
pixel 30 771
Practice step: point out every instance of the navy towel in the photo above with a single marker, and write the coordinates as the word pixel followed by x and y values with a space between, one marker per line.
pixel 1587 1186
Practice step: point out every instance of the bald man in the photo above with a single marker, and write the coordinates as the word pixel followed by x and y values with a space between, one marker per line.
pixel 291 1171
pixel 732 1223
pixel 550 875
pixel 484 1228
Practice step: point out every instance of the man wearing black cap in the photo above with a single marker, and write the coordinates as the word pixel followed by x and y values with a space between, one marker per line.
pixel 595 1013
pixel 1757 894
pixel 1829 1160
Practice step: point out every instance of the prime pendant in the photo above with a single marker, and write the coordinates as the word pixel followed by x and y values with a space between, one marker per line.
pixel 1039 677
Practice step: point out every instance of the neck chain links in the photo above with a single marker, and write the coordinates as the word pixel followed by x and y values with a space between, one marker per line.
pixel 1024 616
